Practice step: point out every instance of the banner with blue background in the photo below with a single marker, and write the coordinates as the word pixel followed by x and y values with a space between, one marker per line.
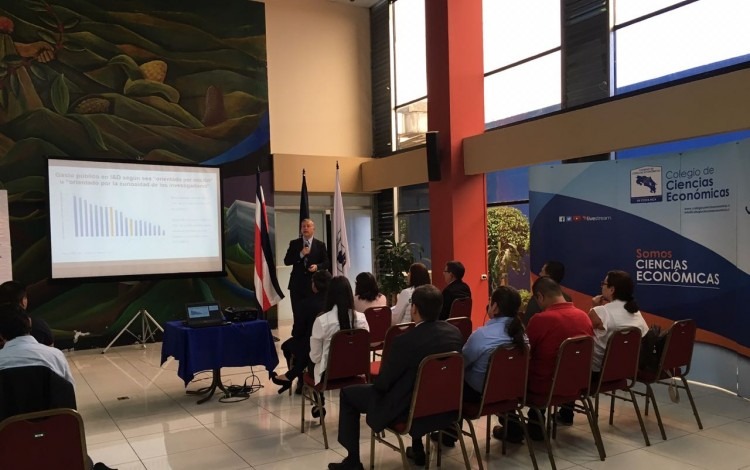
pixel 678 223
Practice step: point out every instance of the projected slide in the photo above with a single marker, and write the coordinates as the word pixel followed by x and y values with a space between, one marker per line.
pixel 129 219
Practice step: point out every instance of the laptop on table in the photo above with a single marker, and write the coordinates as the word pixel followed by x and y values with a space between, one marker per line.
pixel 202 314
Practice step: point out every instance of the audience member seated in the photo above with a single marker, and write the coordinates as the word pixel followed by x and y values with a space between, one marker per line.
pixel 339 315
pixel 15 292
pixel 21 350
pixel 555 270
pixel 417 276
pixel 613 309
pixel 388 398
pixel 504 328
pixel 298 346
pixel 367 293
pixel 455 287
pixel 558 321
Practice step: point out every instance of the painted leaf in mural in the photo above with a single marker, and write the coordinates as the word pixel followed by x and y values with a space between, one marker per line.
pixel 60 95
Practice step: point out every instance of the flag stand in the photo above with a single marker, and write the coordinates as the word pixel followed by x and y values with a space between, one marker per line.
pixel 147 331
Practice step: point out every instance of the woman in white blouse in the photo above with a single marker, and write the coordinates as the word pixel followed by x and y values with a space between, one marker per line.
pixel 614 309
pixel 367 293
pixel 417 276
pixel 339 315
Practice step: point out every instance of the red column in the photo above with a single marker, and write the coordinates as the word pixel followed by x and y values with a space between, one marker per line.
pixel 455 100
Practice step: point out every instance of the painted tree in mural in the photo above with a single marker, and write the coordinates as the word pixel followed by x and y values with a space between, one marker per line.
pixel 174 82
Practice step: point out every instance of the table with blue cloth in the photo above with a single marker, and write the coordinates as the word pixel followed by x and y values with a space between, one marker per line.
pixel 213 347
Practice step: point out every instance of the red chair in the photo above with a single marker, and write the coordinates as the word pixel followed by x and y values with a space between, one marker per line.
pixel 619 372
pixel 438 372
pixel 460 308
pixel 570 382
pixel 393 332
pixel 463 324
pixel 378 320
pixel 348 364
pixel 674 363
pixel 44 439
pixel 504 393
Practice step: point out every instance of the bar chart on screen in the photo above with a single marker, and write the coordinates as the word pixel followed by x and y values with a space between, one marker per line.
pixel 94 220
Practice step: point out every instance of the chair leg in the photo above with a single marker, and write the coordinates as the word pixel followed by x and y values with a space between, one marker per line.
pixel 427 450
pixel 612 408
pixel 692 403
pixel 650 392
pixel 647 400
pixel 305 390
pixel 596 406
pixel 460 434
pixel 529 445
pixel 552 418
pixel 476 444
pixel 545 433
pixel 319 404
pixel 588 409
pixel 402 449
pixel 372 450
pixel 489 430
pixel 439 447
pixel 505 432
pixel 640 418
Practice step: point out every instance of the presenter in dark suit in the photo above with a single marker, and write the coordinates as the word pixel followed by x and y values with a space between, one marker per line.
pixel 456 288
pixel 388 399
pixel 306 255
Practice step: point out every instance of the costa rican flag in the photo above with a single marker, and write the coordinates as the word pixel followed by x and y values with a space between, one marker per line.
pixel 267 289
pixel 341 260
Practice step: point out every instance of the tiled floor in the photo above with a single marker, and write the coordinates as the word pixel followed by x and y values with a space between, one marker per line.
pixel 138 416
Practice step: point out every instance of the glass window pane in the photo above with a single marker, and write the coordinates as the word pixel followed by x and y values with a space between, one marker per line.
pixel 411 124
pixel 697 34
pixel 414 198
pixel 410 50
pixel 516 30
pixel 515 92
pixel 626 10
pixel 415 228
pixel 508 185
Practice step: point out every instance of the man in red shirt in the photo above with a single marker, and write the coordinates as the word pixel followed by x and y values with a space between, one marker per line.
pixel 558 321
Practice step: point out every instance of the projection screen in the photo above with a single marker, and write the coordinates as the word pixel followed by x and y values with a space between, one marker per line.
pixel 129 219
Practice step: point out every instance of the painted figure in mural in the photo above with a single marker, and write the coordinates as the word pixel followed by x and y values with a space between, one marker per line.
pixel 15 58
pixel 305 255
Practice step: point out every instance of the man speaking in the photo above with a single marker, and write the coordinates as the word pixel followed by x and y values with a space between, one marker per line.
pixel 306 255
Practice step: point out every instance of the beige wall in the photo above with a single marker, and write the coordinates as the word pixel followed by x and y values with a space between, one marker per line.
pixel 319 78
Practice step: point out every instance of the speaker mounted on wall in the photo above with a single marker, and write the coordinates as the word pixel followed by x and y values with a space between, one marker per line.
pixel 433 156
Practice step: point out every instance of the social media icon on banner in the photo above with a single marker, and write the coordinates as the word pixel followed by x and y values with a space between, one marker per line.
pixel 561 218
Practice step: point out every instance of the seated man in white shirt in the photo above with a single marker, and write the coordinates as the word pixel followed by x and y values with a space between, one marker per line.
pixel 21 350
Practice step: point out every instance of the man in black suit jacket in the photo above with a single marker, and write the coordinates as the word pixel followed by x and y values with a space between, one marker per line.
pixel 388 398
pixel 456 288
pixel 306 255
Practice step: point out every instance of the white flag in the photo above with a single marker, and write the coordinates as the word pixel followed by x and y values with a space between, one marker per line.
pixel 341 260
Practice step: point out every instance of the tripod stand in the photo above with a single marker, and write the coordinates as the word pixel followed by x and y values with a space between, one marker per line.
pixel 147 330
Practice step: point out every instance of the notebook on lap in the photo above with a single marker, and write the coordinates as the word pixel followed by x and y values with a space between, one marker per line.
pixel 204 314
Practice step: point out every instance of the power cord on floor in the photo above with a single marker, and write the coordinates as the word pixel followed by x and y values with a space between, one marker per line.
pixel 237 393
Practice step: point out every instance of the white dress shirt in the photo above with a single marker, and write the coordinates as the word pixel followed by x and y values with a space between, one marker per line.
pixel 325 326
pixel 26 351
pixel 401 312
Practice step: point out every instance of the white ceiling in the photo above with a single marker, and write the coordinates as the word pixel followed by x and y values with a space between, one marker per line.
pixel 357 3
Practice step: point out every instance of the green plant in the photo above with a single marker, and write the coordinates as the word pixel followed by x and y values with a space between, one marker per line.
pixel 394 258
pixel 525 297
pixel 507 242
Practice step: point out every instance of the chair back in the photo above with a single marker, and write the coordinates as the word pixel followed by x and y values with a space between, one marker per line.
pixel 573 370
pixel 393 332
pixel 620 360
pixel 461 308
pixel 463 324
pixel 44 439
pixel 33 388
pixel 378 320
pixel 439 386
pixel 506 378
pixel 349 355
pixel 678 350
